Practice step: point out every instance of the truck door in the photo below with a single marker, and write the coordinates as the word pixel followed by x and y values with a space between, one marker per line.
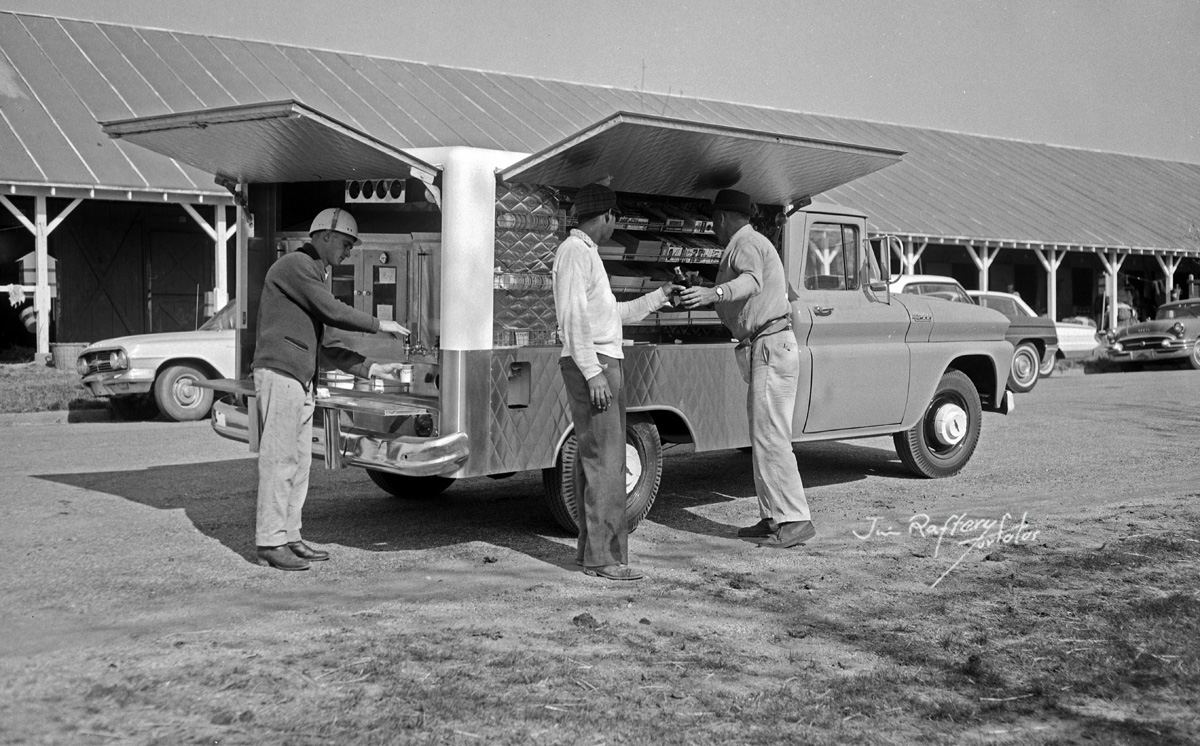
pixel 860 361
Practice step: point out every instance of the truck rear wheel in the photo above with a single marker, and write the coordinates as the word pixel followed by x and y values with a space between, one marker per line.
pixel 398 485
pixel 942 443
pixel 643 472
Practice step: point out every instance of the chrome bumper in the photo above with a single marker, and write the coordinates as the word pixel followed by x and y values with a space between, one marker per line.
pixel 400 454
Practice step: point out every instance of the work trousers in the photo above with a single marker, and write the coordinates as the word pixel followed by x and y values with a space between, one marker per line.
pixel 285 423
pixel 770 405
pixel 600 440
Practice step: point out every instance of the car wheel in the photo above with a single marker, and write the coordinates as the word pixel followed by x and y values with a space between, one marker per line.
pixel 1194 359
pixel 178 397
pixel 643 472
pixel 1024 375
pixel 942 443
pixel 134 407
pixel 1047 368
pixel 398 485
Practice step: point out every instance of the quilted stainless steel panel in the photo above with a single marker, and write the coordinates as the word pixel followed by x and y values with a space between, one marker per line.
pixel 276 142
pixel 653 155
pixel 699 384
pixel 529 227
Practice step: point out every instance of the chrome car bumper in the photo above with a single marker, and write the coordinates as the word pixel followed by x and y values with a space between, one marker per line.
pixel 400 454
pixel 1150 351
pixel 118 384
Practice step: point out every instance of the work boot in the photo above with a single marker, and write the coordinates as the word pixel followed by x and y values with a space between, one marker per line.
pixel 281 558
pixel 790 534
pixel 760 530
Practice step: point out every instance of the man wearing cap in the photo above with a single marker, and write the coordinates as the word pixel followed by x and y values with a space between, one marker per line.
pixel 751 299
pixel 589 322
pixel 292 315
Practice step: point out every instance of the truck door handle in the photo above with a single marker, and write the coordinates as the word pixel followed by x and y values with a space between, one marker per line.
pixel 822 311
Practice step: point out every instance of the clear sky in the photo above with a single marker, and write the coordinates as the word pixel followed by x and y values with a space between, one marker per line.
pixel 1118 75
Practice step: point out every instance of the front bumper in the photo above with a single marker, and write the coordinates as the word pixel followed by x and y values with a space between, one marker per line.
pixel 121 383
pixel 1140 351
pixel 406 455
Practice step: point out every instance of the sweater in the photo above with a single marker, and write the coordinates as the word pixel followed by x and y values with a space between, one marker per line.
pixel 752 276
pixel 292 314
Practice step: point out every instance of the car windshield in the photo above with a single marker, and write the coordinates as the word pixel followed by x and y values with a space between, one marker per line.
pixel 942 290
pixel 223 319
pixel 1190 310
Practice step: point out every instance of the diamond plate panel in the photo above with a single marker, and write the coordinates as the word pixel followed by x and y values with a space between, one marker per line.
pixel 526 437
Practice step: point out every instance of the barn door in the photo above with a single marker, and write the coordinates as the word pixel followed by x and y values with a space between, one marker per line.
pixel 179 272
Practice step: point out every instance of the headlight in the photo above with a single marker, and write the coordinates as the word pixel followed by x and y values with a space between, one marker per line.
pixel 118 360
pixel 1177 329
pixel 1117 347
pixel 81 366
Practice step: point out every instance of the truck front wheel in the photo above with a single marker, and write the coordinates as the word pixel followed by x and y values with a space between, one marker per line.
pixel 643 472
pixel 942 443
pixel 398 485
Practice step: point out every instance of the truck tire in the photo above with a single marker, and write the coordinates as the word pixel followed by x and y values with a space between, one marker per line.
pixel 1025 365
pixel 178 397
pixel 942 443
pixel 398 485
pixel 643 472
pixel 134 407
pixel 1193 360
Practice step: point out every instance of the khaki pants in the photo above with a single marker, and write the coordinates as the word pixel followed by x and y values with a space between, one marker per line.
pixel 285 421
pixel 600 435
pixel 771 404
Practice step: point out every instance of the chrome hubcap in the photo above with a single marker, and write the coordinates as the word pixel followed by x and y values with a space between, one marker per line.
pixel 950 424
pixel 633 468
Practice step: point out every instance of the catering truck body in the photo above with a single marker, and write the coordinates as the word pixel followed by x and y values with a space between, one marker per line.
pixel 458 245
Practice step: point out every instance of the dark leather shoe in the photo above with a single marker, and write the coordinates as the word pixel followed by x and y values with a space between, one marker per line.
pixel 762 529
pixel 281 558
pixel 305 552
pixel 790 534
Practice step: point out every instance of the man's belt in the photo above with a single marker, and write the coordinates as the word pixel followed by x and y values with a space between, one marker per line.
pixel 774 326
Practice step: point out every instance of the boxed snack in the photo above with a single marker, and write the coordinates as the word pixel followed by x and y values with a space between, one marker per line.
pixel 645 245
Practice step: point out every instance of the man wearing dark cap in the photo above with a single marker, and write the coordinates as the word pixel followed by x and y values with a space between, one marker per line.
pixel 589 322
pixel 751 299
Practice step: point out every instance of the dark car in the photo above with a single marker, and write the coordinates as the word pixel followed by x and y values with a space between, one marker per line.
pixel 1034 338
pixel 1170 335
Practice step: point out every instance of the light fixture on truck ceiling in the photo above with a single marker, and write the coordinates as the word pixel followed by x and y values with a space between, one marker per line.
pixel 375 190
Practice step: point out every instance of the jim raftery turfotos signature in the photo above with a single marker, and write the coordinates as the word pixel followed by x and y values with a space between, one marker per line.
pixel 961 528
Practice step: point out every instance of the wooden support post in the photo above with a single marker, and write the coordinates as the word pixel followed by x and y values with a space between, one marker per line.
pixel 1051 259
pixel 983 257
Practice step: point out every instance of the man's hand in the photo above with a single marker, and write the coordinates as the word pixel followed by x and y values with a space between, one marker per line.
pixel 695 297
pixel 599 391
pixel 673 290
pixel 392 327
pixel 385 370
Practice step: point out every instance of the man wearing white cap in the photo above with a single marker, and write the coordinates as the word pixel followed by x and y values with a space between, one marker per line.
pixel 292 315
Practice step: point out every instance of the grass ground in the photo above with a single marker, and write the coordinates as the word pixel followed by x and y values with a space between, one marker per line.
pixel 30 387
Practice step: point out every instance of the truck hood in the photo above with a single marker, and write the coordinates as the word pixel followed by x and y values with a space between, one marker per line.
pixel 948 321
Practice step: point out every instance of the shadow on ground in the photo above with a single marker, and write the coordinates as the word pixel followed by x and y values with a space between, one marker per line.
pixel 346 508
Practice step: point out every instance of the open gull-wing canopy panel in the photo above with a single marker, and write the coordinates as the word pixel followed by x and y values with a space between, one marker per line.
pixel 281 141
pixel 655 155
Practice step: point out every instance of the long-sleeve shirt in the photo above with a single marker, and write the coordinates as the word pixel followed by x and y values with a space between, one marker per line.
pixel 755 286
pixel 589 315
pixel 292 314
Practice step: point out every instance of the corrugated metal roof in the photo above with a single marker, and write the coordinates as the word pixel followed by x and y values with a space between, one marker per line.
pixel 59 77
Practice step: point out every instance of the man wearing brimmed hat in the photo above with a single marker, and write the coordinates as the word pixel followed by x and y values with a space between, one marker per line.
pixel 292 315
pixel 589 322
pixel 751 299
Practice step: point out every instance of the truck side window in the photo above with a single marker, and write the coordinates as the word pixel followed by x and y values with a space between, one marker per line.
pixel 832 261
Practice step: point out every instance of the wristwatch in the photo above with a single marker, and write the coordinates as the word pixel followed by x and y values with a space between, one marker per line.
pixel 720 293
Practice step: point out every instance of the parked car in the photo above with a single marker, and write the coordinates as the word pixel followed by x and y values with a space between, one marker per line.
pixel 145 373
pixel 1170 335
pixel 933 286
pixel 1034 338
pixel 1077 340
